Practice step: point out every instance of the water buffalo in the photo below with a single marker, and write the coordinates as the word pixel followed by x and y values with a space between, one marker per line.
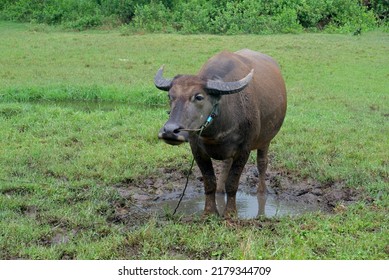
pixel 235 104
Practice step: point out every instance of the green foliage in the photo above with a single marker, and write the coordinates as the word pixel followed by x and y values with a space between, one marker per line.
pixel 258 17
pixel 74 14
pixel 151 17
pixel 348 17
pixel 194 16
pixel 241 17
pixel 380 8
pixel 123 9
pixel 200 16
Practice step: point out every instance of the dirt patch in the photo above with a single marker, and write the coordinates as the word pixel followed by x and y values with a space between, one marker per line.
pixel 168 185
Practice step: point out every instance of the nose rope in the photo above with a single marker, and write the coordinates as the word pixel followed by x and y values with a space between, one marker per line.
pixel 210 118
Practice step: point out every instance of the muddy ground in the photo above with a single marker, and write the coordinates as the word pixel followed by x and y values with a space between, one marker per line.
pixel 141 200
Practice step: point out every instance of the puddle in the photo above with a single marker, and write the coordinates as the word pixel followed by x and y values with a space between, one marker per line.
pixel 249 205
pixel 286 196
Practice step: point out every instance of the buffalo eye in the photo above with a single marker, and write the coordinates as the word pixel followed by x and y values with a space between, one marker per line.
pixel 199 97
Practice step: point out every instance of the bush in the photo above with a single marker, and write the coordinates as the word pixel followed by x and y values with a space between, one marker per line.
pixel 75 14
pixel 320 15
pixel 380 9
pixel 201 16
pixel 21 10
pixel 239 17
pixel 151 17
pixel 349 16
pixel 194 16
pixel 123 9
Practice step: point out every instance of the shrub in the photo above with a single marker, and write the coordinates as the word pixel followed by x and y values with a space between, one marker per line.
pixel 21 10
pixel 193 16
pixel 151 17
pixel 80 14
pixel 239 17
pixel 349 16
pixel 85 22
pixel 230 17
pixel 380 8
pixel 319 15
pixel 287 22
pixel 123 9
pixel 201 16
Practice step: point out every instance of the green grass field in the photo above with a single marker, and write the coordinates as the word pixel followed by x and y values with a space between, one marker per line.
pixel 79 113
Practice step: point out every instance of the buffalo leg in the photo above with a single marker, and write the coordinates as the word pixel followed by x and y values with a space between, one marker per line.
pixel 209 178
pixel 261 204
pixel 225 167
pixel 232 183
pixel 262 166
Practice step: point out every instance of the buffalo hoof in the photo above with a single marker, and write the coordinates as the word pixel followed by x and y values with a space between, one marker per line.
pixel 209 213
pixel 230 214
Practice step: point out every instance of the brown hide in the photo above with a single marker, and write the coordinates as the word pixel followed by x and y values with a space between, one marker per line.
pixel 251 118
pixel 247 117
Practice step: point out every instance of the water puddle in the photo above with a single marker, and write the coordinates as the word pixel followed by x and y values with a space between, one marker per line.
pixel 249 205
pixel 286 196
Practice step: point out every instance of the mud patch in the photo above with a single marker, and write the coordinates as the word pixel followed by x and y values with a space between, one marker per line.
pixel 286 196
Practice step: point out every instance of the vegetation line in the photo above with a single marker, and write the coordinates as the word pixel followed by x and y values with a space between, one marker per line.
pixel 200 16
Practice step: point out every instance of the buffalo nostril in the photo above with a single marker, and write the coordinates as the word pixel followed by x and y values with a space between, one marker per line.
pixel 172 128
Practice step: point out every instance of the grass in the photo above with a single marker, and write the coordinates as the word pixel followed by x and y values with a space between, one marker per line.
pixel 79 114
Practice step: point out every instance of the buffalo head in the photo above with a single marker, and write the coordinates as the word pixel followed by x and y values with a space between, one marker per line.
pixel 192 99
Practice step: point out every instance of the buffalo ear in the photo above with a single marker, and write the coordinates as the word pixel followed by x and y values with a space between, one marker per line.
pixel 217 87
pixel 160 82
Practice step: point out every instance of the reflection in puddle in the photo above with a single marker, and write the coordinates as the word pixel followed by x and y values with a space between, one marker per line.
pixel 249 206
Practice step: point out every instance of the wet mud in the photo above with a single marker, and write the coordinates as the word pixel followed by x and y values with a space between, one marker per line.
pixel 286 195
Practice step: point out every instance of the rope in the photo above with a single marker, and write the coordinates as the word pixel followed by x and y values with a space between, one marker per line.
pixel 188 174
pixel 186 185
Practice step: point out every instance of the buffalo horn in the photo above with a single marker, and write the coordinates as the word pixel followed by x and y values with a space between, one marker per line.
pixel 221 88
pixel 160 82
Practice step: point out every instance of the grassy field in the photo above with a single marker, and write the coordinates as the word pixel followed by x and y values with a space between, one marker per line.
pixel 79 114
